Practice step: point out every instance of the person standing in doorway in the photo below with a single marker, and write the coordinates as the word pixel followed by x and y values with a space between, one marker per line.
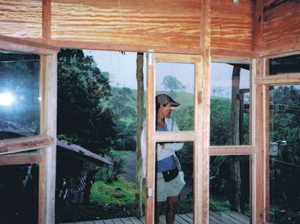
pixel 169 177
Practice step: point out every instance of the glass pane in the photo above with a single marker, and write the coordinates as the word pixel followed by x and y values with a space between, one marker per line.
pixel 284 154
pixel 229 189
pixel 177 81
pixel 229 113
pixel 284 65
pixel 19 95
pixel 19 193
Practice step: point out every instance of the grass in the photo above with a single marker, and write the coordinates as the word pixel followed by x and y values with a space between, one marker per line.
pixel 121 192
pixel 115 200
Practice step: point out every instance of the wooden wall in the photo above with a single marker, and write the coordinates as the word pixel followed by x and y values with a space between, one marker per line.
pixel 159 23
pixel 281 25
pixel 231 25
pixel 21 18
pixel 163 23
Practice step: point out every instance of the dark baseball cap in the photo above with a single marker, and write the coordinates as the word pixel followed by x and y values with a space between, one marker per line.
pixel 165 99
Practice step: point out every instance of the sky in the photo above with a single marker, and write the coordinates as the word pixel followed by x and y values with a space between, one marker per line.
pixel 122 70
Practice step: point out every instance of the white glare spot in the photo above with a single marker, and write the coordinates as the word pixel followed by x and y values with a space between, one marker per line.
pixel 6 99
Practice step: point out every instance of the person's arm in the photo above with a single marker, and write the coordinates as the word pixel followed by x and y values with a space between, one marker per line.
pixel 168 149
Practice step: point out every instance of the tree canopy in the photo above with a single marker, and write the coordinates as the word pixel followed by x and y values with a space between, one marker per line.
pixel 173 84
pixel 82 88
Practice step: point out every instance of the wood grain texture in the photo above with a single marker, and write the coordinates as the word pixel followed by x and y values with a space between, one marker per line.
pixel 21 18
pixel 281 26
pixel 159 23
pixel 231 25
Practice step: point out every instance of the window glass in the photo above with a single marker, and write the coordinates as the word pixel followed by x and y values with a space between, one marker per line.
pixel 284 65
pixel 284 149
pixel 229 189
pixel 177 81
pixel 229 112
pixel 19 95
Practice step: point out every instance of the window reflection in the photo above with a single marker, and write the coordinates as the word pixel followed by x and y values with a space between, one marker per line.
pixel 177 81
pixel 229 113
pixel 19 94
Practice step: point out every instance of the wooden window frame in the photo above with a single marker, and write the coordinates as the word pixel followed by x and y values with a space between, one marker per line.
pixel 262 83
pixel 201 155
pixel 15 151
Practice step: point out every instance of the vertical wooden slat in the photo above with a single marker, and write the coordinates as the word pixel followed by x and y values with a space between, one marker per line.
pixel 201 208
pixel 47 171
pixel 259 159
pixel 198 153
pixel 150 155
pixel 46 21
pixel 252 162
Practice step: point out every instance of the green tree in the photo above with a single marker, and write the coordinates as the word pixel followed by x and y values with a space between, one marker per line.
pixel 121 102
pixel 82 89
pixel 220 121
pixel 173 84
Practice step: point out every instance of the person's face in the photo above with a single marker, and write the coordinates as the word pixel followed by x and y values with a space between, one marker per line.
pixel 166 111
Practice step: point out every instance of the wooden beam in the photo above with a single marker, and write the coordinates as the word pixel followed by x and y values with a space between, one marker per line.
pixel 259 167
pixel 286 47
pixel 279 79
pixel 46 21
pixel 176 136
pixel 151 150
pixel 24 144
pixel 20 159
pixel 232 150
pixel 201 148
pixel 47 172
pixel 252 161
pixel 124 47
pixel 222 55
pixel 177 58
pixel 21 45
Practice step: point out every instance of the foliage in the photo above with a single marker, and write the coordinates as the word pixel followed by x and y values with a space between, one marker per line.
pixel 115 200
pixel 220 121
pixel 220 175
pixel 109 174
pixel 126 135
pixel 173 84
pixel 123 103
pixel 81 90
pixel 104 193
pixel 216 206
pixel 280 214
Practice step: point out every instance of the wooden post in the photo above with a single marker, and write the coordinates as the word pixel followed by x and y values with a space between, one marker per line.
pixel 259 166
pixel 235 172
pixel 47 171
pixel 139 160
pixel 150 155
pixel 201 148
pixel 46 21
